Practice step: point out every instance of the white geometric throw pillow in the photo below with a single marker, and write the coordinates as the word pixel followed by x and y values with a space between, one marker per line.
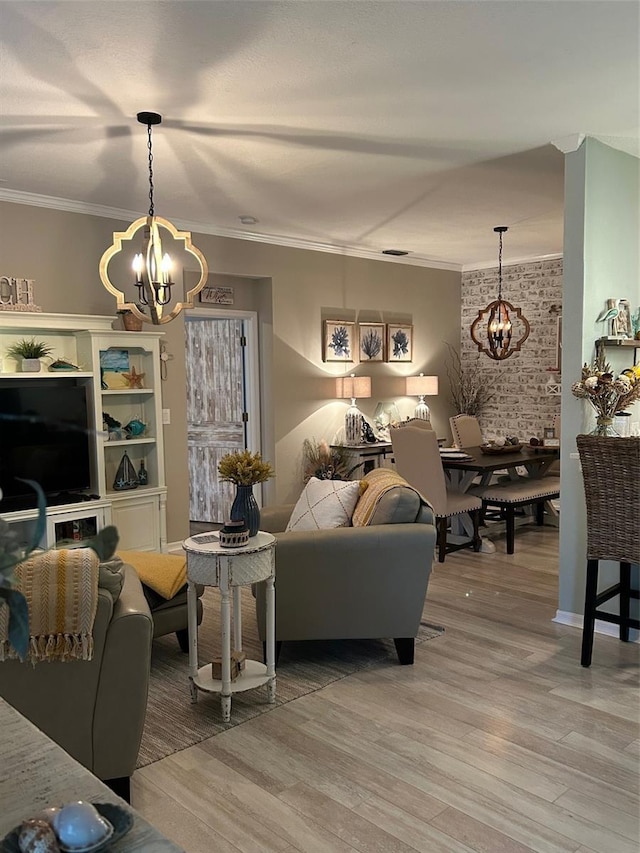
pixel 324 504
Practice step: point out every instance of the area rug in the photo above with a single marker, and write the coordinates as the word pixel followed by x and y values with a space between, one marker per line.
pixel 174 723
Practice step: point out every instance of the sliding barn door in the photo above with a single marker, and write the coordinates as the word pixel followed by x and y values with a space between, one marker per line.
pixel 216 411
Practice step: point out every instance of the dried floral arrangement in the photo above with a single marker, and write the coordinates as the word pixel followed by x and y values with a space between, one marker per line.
pixel 607 393
pixel 470 392
pixel 244 468
pixel 324 462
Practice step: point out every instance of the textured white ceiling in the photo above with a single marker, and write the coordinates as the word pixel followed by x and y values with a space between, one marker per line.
pixel 364 125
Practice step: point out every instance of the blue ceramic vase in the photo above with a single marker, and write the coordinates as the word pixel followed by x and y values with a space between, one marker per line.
pixel 245 508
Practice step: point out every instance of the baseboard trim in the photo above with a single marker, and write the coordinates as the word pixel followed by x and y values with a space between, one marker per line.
pixel 576 620
pixel 175 548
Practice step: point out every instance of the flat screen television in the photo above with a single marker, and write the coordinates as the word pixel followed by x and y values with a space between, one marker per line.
pixel 44 436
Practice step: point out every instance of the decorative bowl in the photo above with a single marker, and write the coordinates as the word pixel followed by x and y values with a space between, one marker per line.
pixel 120 819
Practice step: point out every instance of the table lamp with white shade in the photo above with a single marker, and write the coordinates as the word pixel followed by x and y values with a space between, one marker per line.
pixel 352 387
pixel 422 386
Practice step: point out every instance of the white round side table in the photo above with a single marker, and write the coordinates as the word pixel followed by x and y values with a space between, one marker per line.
pixel 209 564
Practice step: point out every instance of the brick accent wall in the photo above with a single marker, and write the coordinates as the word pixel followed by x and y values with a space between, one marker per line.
pixel 521 405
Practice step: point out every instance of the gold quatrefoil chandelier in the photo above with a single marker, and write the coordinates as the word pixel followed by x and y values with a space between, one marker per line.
pixel 152 265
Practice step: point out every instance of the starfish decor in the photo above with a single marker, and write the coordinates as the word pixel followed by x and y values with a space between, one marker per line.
pixel 134 379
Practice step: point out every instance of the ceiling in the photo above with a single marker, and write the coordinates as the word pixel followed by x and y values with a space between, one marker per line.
pixel 348 126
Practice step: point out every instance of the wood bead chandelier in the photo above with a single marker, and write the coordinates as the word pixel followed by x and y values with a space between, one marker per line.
pixel 496 342
pixel 152 265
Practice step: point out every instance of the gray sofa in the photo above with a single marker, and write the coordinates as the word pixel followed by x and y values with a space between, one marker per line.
pixel 353 582
pixel 94 709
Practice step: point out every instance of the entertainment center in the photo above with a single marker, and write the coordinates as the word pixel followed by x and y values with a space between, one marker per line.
pixel 52 430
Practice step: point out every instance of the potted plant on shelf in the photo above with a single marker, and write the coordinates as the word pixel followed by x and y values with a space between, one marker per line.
pixel 245 469
pixel 28 354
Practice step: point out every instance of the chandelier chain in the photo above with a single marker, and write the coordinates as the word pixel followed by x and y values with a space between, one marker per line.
pixel 150 147
pixel 500 268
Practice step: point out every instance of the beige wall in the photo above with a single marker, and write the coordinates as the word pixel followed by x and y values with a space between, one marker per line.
pixel 61 252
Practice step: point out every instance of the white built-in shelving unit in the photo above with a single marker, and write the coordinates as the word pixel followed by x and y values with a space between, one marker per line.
pixel 139 513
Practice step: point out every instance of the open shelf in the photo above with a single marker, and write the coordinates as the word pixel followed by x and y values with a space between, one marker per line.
pixel 625 343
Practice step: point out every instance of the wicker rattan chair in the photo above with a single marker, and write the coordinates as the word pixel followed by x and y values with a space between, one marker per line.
pixel 611 474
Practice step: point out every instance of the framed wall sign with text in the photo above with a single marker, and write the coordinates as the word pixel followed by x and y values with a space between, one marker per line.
pixel 216 295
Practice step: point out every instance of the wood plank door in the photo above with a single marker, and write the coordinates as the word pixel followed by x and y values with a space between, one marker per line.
pixel 216 411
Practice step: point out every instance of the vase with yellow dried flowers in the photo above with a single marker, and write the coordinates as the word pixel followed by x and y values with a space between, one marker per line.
pixel 607 393
pixel 245 469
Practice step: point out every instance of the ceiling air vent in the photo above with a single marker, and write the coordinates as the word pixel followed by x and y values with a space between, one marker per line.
pixel 397 252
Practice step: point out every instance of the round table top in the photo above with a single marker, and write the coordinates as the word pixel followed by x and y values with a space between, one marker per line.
pixel 208 543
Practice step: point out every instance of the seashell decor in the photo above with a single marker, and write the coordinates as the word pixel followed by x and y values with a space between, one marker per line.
pixel 37 836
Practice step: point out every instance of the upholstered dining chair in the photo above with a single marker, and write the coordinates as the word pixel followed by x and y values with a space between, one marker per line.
pixel 611 473
pixel 465 430
pixel 418 460
pixel 420 423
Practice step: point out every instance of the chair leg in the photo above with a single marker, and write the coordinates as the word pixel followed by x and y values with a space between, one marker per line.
pixel 183 640
pixel 405 647
pixel 589 612
pixel 625 598
pixel 477 540
pixel 540 513
pixel 442 539
pixel 120 786
pixel 511 529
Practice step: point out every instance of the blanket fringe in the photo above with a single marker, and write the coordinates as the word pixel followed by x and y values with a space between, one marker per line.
pixel 52 647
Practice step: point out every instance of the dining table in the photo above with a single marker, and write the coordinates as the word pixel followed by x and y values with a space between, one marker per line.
pixel 463 465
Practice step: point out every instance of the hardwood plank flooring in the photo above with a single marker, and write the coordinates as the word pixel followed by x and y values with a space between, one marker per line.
pixel 495 741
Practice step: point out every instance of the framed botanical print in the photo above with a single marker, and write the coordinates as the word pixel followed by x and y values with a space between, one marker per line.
pixel 399 342
pixel 371 341
pixel 338 342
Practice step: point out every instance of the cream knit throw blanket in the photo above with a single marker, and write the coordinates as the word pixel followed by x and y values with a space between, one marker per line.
pixel 61 588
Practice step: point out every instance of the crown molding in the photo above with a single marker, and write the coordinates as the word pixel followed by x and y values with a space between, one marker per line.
pixel 512 263
pixel 71 206
pixel 569 144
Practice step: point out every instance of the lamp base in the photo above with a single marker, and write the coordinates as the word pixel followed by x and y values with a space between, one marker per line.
pixel 422 411
pixel 353 427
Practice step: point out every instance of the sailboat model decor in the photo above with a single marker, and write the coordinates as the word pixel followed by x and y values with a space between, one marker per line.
pixel 126 477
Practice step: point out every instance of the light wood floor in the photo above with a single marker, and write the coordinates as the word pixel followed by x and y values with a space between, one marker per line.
pixel 495 741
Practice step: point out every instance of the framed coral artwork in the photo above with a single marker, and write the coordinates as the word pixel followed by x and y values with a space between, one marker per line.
pixel 338 341
pixel 371 341
pixel 399 342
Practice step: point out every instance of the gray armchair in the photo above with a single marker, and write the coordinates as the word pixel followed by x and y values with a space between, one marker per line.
pixel 353 582
pixel 94 709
